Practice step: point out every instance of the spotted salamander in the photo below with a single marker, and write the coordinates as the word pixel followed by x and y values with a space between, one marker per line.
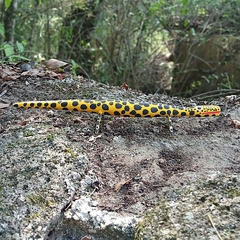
pixel 124 109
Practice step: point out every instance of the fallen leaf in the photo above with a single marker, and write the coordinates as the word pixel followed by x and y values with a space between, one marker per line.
pixel 54 64
pixel 4 105
pixel 119 185
pixel 23 123
pixel 125 86
pixel 236 123
pixel 94 138
pixel 86 238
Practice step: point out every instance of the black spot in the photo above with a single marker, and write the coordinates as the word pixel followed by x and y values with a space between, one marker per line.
pixel 126 115
pixel 206 115
pixel 148 116
pixel 154 109
pixel 133 112
pixel 126 108
pixel 98 104
pixel 53 105
pixel 75 109
pixel 45 104
pixel 124 103
pixel 75 103
pixel 169 112
pixel 93 106
pixel 175 112
pixel 118 105
pixel 146 104
pixel 160 106
pixel 137 115
pixel 197 115
pixel 183 114
pixel 65 109
pixel 31 104
pixel 83 107
pixel 123 112
pixel 116 113
pixel 39 104
pixel 107 113
pixel 15 105
pixel 181 108
pixel 137 107
pixel 105 107
pixel 64 104
pixel 145 111
pixel 166 106
pixel 111 103
pixel 163 113
pixel 192 113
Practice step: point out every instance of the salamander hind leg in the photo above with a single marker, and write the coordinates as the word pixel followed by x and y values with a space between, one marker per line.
pixel 98 125
pixel 170 126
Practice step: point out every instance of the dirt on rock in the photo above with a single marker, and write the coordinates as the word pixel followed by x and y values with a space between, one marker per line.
pixel 133 160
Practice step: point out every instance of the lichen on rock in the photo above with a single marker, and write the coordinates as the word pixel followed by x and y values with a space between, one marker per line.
pixel 185 213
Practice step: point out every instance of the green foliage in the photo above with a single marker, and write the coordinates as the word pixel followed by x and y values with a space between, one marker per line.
pixel 7 3
pixel 75 66
pixel 128 39
pixel 8 50
pixel 2 30
pixel 125 41
pixel 12 54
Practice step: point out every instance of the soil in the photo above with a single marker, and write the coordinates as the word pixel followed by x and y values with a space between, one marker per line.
pixel 133 160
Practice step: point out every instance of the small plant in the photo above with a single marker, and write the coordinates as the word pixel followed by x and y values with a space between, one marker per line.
pixel 13 54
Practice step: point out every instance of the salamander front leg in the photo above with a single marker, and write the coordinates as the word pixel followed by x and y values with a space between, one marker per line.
pixel 98 123
pixel 170 126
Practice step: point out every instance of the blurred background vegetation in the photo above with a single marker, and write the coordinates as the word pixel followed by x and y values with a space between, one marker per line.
pixel 179 47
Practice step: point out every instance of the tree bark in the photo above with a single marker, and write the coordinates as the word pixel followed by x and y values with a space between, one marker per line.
pixel 10 22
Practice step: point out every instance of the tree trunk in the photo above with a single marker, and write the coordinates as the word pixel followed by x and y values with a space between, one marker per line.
pixel 10 21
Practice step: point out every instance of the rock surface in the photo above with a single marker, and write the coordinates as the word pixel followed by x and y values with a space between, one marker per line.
pixel 53 168
pixel 196 211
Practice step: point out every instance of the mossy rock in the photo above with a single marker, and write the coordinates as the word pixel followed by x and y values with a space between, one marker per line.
pixel 188 213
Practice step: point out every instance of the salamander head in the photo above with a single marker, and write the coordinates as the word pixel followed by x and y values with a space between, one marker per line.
pixel 211 110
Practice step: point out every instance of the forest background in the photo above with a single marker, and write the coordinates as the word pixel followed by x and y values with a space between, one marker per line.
pixel 189 48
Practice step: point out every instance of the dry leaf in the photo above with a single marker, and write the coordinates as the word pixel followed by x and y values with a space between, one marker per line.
pixel 94 138
pixel 4 105
pixel 54 64
pixel 86 238
pixel 119 185
pixel 23 123
pixel 125 86
pixel 236 123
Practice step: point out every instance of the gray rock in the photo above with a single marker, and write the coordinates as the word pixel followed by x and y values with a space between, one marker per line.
pixel 188 216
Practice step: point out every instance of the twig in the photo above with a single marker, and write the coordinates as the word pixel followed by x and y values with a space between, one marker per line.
pixel 214 226
pixel 216 93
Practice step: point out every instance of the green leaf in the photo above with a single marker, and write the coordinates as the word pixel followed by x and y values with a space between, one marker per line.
pixel 20 47
pixel 192 31
pixel 7 3
pixel 2 30
pixel 20 57
pixel 184 2
pixel 184 11
pixel 186 22
pixel 8 49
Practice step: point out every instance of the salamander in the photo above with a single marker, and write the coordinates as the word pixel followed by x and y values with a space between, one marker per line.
pixel 124 109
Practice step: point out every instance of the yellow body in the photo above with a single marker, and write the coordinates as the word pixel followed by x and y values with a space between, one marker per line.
pixel 122 108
